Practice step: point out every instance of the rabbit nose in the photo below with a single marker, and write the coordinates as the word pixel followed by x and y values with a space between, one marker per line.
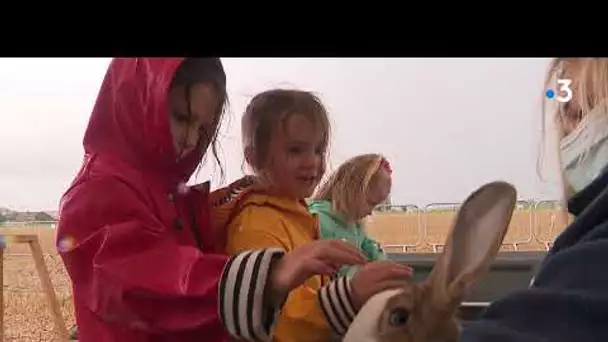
pixel 399 317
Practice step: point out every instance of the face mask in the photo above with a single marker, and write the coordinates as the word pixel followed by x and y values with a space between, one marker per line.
pixel 584 152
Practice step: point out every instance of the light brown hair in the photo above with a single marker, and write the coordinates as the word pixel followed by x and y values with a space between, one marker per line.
pixel 271 110
pixel 350 182
pixel 589 87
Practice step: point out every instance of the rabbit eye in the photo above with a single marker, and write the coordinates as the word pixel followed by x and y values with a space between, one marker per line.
pixel 398 317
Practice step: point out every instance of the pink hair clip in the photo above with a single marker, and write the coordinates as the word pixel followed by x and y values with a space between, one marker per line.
pixel 387 166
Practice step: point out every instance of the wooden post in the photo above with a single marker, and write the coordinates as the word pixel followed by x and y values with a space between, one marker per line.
pixel 47 286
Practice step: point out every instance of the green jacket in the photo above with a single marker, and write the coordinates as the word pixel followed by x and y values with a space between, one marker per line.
pixel 333 226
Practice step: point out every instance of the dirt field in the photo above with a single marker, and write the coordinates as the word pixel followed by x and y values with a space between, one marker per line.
pixel 27 315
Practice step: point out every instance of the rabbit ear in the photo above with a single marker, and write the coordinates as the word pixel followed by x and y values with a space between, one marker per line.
pixel 477 234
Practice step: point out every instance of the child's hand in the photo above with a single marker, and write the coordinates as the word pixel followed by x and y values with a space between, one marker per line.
pixel 320 257
pixel 376 277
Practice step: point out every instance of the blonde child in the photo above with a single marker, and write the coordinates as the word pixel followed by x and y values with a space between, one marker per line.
pixel 349 195
pixel 285 138
pixel 568 299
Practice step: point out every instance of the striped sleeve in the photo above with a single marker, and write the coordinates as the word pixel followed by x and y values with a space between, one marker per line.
pixel 243 307
pixel 336 302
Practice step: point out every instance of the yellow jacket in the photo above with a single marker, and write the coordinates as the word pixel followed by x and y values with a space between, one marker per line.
pixel 266 221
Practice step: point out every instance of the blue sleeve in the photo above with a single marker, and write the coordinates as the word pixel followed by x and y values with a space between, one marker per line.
pixel 568 301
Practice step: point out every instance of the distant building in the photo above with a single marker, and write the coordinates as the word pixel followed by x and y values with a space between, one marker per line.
pixel 53 213
pixel 7 215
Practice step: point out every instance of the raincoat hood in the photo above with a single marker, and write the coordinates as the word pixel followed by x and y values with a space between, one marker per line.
pixel 143 258
pixel 130 119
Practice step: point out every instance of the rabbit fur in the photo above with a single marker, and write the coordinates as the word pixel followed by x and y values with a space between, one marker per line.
pixel 425 312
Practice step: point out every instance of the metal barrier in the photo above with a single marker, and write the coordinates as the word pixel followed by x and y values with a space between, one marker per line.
pixel 550 219
pixel 437 221
pixel 396 226
pixel 520 229
pixel 407 227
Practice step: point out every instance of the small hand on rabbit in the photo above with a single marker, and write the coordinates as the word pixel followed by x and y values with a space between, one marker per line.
pixel 320 257
pixel 378 276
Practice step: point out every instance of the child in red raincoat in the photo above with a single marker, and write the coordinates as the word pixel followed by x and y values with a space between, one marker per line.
pixel 138 244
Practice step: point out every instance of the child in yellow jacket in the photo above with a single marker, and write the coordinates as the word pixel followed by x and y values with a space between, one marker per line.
pixel 285 136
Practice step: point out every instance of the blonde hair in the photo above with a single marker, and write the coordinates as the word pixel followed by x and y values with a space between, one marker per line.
pixel 269 111
pixel 350 182
pixel 589 87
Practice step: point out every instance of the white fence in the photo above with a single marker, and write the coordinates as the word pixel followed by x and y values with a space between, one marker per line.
pixel 405 227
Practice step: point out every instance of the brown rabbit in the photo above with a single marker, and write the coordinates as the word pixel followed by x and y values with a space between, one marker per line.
pixel 426 312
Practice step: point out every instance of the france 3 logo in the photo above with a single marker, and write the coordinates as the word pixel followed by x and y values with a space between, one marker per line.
pixel 564 92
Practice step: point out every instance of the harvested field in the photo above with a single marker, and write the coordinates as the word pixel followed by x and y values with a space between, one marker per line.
pixel 425 231
pixel 28 317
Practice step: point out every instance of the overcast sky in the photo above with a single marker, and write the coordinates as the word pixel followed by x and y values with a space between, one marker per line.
pixel 447 125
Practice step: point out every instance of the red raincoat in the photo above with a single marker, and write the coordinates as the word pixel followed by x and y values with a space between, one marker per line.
pixel 138 248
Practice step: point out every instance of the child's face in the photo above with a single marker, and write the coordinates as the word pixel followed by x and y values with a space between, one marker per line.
pixel 377 193
pixel 198 128
pixel 296 159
